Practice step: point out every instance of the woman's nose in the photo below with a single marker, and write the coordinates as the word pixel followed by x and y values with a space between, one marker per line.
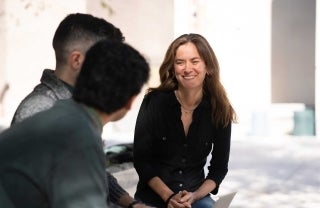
pixel 188 67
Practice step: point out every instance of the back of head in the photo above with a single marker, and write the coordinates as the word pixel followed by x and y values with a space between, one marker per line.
pixel 79 32
pixel 111 74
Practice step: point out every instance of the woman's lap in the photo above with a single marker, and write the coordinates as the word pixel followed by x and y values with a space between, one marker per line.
pixel 206 202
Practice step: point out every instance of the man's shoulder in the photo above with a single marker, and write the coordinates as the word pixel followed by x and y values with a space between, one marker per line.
pixel 38 100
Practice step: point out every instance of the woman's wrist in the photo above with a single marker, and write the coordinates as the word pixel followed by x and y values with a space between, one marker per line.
pixel 169 198
pixel 133 203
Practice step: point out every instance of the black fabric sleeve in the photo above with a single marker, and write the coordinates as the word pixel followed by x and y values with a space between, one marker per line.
pixel 115 190
pixel 220 156
pixel 142 150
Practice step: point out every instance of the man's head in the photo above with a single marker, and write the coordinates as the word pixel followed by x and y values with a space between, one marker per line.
pixel 75 35
pixel 112 74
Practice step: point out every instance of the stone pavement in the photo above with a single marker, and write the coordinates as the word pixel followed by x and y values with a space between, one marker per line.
pixel 281 172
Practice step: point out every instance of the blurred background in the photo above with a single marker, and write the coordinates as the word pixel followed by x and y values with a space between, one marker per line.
pixel 269 55
pixel 266 48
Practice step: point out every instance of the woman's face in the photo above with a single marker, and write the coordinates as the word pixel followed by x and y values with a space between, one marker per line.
pixel 189 68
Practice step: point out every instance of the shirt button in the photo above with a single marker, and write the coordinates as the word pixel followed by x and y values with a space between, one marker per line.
pixel 185 145
pixel 180 185
pixel 180 172
pixel 183 160
pixel 164 138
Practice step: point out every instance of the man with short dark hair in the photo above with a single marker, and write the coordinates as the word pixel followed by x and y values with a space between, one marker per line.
pixel 75 34
pixel 55 158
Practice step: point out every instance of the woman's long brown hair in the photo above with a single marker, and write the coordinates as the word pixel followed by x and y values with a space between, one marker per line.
pixel 222 111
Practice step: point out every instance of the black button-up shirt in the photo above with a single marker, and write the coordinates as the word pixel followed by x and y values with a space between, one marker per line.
pixel 162 149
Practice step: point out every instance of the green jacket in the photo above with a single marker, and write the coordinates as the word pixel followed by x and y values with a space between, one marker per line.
pixel 54 159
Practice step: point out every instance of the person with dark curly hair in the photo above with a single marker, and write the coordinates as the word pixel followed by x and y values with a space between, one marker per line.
pixel 55 158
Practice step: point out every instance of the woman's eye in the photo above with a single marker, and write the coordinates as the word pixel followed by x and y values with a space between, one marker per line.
pixel 179 62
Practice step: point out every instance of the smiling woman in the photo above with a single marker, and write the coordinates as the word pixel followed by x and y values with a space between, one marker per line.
pixel 190 69
pixel 183 120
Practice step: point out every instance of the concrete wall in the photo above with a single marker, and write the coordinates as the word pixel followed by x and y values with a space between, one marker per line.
pixel 2 52
pixel 293 59
pixel 293 51
pixel 149 27
pixel 239 32
pixel 265 90
pixel 29 28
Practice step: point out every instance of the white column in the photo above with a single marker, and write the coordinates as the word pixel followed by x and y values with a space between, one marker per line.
pixel 317 68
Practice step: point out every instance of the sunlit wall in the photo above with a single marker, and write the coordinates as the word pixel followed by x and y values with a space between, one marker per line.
pixel 239 33
pixel 29 28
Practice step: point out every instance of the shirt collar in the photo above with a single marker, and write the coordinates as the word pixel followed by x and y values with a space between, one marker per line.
pixel 69 87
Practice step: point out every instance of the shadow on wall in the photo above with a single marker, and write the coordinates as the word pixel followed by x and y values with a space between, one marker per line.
pixel 3 92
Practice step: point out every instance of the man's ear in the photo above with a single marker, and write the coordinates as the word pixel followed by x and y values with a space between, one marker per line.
pixel 76 59
pixel 130 102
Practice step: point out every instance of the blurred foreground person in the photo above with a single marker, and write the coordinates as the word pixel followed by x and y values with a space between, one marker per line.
pixel 179 124
pixel 74 36
pixel 55 158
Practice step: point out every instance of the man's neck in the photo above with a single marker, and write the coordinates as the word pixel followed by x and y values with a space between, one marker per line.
pixel 65 76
